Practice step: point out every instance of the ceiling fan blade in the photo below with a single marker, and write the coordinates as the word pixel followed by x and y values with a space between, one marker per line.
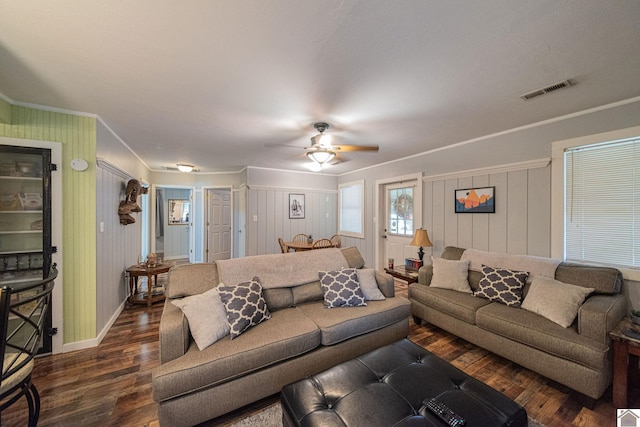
pixel 346 148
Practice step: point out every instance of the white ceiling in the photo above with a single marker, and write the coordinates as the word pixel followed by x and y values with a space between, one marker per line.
pixel 212 82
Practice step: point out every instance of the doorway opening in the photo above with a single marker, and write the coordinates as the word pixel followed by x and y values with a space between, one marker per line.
pixel 173 223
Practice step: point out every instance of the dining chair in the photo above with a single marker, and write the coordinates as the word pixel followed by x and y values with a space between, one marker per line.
pixel 283 246
pixel 23 313
pixel 322 243
pixel 300 238
pixel 336 241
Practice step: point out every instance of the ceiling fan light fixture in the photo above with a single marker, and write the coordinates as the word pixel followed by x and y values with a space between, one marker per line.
pixel 185 168
pixel 321 156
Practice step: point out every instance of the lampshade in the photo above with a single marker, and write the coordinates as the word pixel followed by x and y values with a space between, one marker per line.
pixel 421 238
pixel 185 168
pixel 321 156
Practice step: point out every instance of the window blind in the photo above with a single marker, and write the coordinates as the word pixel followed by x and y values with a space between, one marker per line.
pixel 602 203
pixel 351 209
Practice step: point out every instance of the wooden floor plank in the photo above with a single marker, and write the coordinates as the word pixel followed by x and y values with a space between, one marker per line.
pixel 110 385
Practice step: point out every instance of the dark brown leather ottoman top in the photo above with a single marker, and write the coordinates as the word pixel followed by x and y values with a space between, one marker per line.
pixel 390 386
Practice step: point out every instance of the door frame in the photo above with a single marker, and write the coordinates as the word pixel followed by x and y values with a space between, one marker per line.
pixel 205 215
pixel 380 207
pixel 152 234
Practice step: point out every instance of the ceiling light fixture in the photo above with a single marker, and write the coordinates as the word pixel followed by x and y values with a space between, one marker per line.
pixel 321 156
pixel 185 168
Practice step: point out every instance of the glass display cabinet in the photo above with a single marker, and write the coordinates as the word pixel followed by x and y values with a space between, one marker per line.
pixel 25 219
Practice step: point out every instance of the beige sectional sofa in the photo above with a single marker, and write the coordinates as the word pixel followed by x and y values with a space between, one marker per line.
pixel 301 337
pixel 578 356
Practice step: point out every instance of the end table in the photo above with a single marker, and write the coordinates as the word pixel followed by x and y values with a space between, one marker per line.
pixel 403 273
pixel 136 271
pixel 625 360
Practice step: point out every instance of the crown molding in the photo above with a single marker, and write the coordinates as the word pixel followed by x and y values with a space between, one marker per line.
pixel 510 167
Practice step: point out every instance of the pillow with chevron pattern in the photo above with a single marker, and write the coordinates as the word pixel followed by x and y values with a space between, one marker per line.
pixel 502 285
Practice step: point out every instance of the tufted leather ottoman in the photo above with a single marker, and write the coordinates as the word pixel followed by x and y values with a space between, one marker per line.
pixel 390 387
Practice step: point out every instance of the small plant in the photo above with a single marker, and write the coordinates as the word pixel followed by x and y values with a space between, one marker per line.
pixel 635 313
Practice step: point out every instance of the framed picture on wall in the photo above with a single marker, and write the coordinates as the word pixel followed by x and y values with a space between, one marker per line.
pixel 296 206
pixel 475 200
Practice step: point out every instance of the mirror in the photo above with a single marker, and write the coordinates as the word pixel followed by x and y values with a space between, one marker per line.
pixel 179 211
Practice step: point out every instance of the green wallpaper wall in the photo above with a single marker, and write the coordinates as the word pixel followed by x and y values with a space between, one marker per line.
pixel 78 136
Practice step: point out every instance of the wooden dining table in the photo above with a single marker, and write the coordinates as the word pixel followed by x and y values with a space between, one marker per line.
pixel 300 246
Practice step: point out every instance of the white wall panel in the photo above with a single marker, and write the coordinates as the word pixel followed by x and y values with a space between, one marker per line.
pixel 498 220
pixel 270 206
pixel 517 212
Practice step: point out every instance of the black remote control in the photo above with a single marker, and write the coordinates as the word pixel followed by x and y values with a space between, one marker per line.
pixel 445 413
pixel 632 334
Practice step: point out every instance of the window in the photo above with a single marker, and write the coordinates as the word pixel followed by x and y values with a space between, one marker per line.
pixel 400 211
pixel 351 209
pixel 602 203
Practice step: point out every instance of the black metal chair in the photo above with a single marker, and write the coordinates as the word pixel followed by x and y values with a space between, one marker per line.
pixel 23 313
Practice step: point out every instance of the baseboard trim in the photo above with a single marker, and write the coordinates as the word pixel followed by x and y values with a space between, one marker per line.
pixel 94 342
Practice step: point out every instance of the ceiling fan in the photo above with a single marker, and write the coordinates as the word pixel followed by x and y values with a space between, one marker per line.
pixel 322 150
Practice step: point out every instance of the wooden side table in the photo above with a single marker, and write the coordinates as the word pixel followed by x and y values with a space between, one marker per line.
pixel 625 360
pixel 402 273
pixel 136 271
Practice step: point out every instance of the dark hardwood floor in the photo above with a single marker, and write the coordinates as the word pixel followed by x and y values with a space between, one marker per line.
pixel 110 385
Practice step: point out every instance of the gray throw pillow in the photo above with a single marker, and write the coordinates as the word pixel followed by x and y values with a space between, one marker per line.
pixel 245 305
pixel 341 288
pixel 448 274
pixel 502 285
pixel 369 285
pixel 206 316
pixel 554 300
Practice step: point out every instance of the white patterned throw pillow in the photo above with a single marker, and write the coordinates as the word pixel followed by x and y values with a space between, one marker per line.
pixel 341 288
pixel 245 305
pixel 206 316
pixel 502 285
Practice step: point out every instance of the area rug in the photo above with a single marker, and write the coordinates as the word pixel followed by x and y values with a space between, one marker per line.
pixel 271 416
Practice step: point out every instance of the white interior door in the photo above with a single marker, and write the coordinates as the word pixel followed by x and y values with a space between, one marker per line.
pixel 218 225
pixel 399 222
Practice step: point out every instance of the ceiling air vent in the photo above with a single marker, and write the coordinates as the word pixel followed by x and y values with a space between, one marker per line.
pixel 550 88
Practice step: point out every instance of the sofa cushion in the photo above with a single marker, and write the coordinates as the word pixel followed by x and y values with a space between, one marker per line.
pixel 245 305
pixel 369 284
pixel 206 315
pixel 278 298
pixel 281 270
pixel 341 288
pixel 191 279
pixel 605 280
pixel 502 285
pixel 340 325
pixel 554 300
pixel 535 331
pixel 307 293
pixel 288 334
pixel 448 274
pixel 460 305
pixel 353 257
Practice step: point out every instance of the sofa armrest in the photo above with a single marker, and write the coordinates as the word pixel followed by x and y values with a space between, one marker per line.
pixel 174 333
pixel 599 315
pixel 385 284
pixel 425 274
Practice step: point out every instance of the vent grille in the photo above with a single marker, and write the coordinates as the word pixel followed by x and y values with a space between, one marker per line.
pixel 559 85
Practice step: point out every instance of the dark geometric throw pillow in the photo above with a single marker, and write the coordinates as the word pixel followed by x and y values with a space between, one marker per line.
pixel 341 288
pixel 245 305
pixel 502 285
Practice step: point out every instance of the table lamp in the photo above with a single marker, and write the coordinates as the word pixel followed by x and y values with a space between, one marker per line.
pixel 421 238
